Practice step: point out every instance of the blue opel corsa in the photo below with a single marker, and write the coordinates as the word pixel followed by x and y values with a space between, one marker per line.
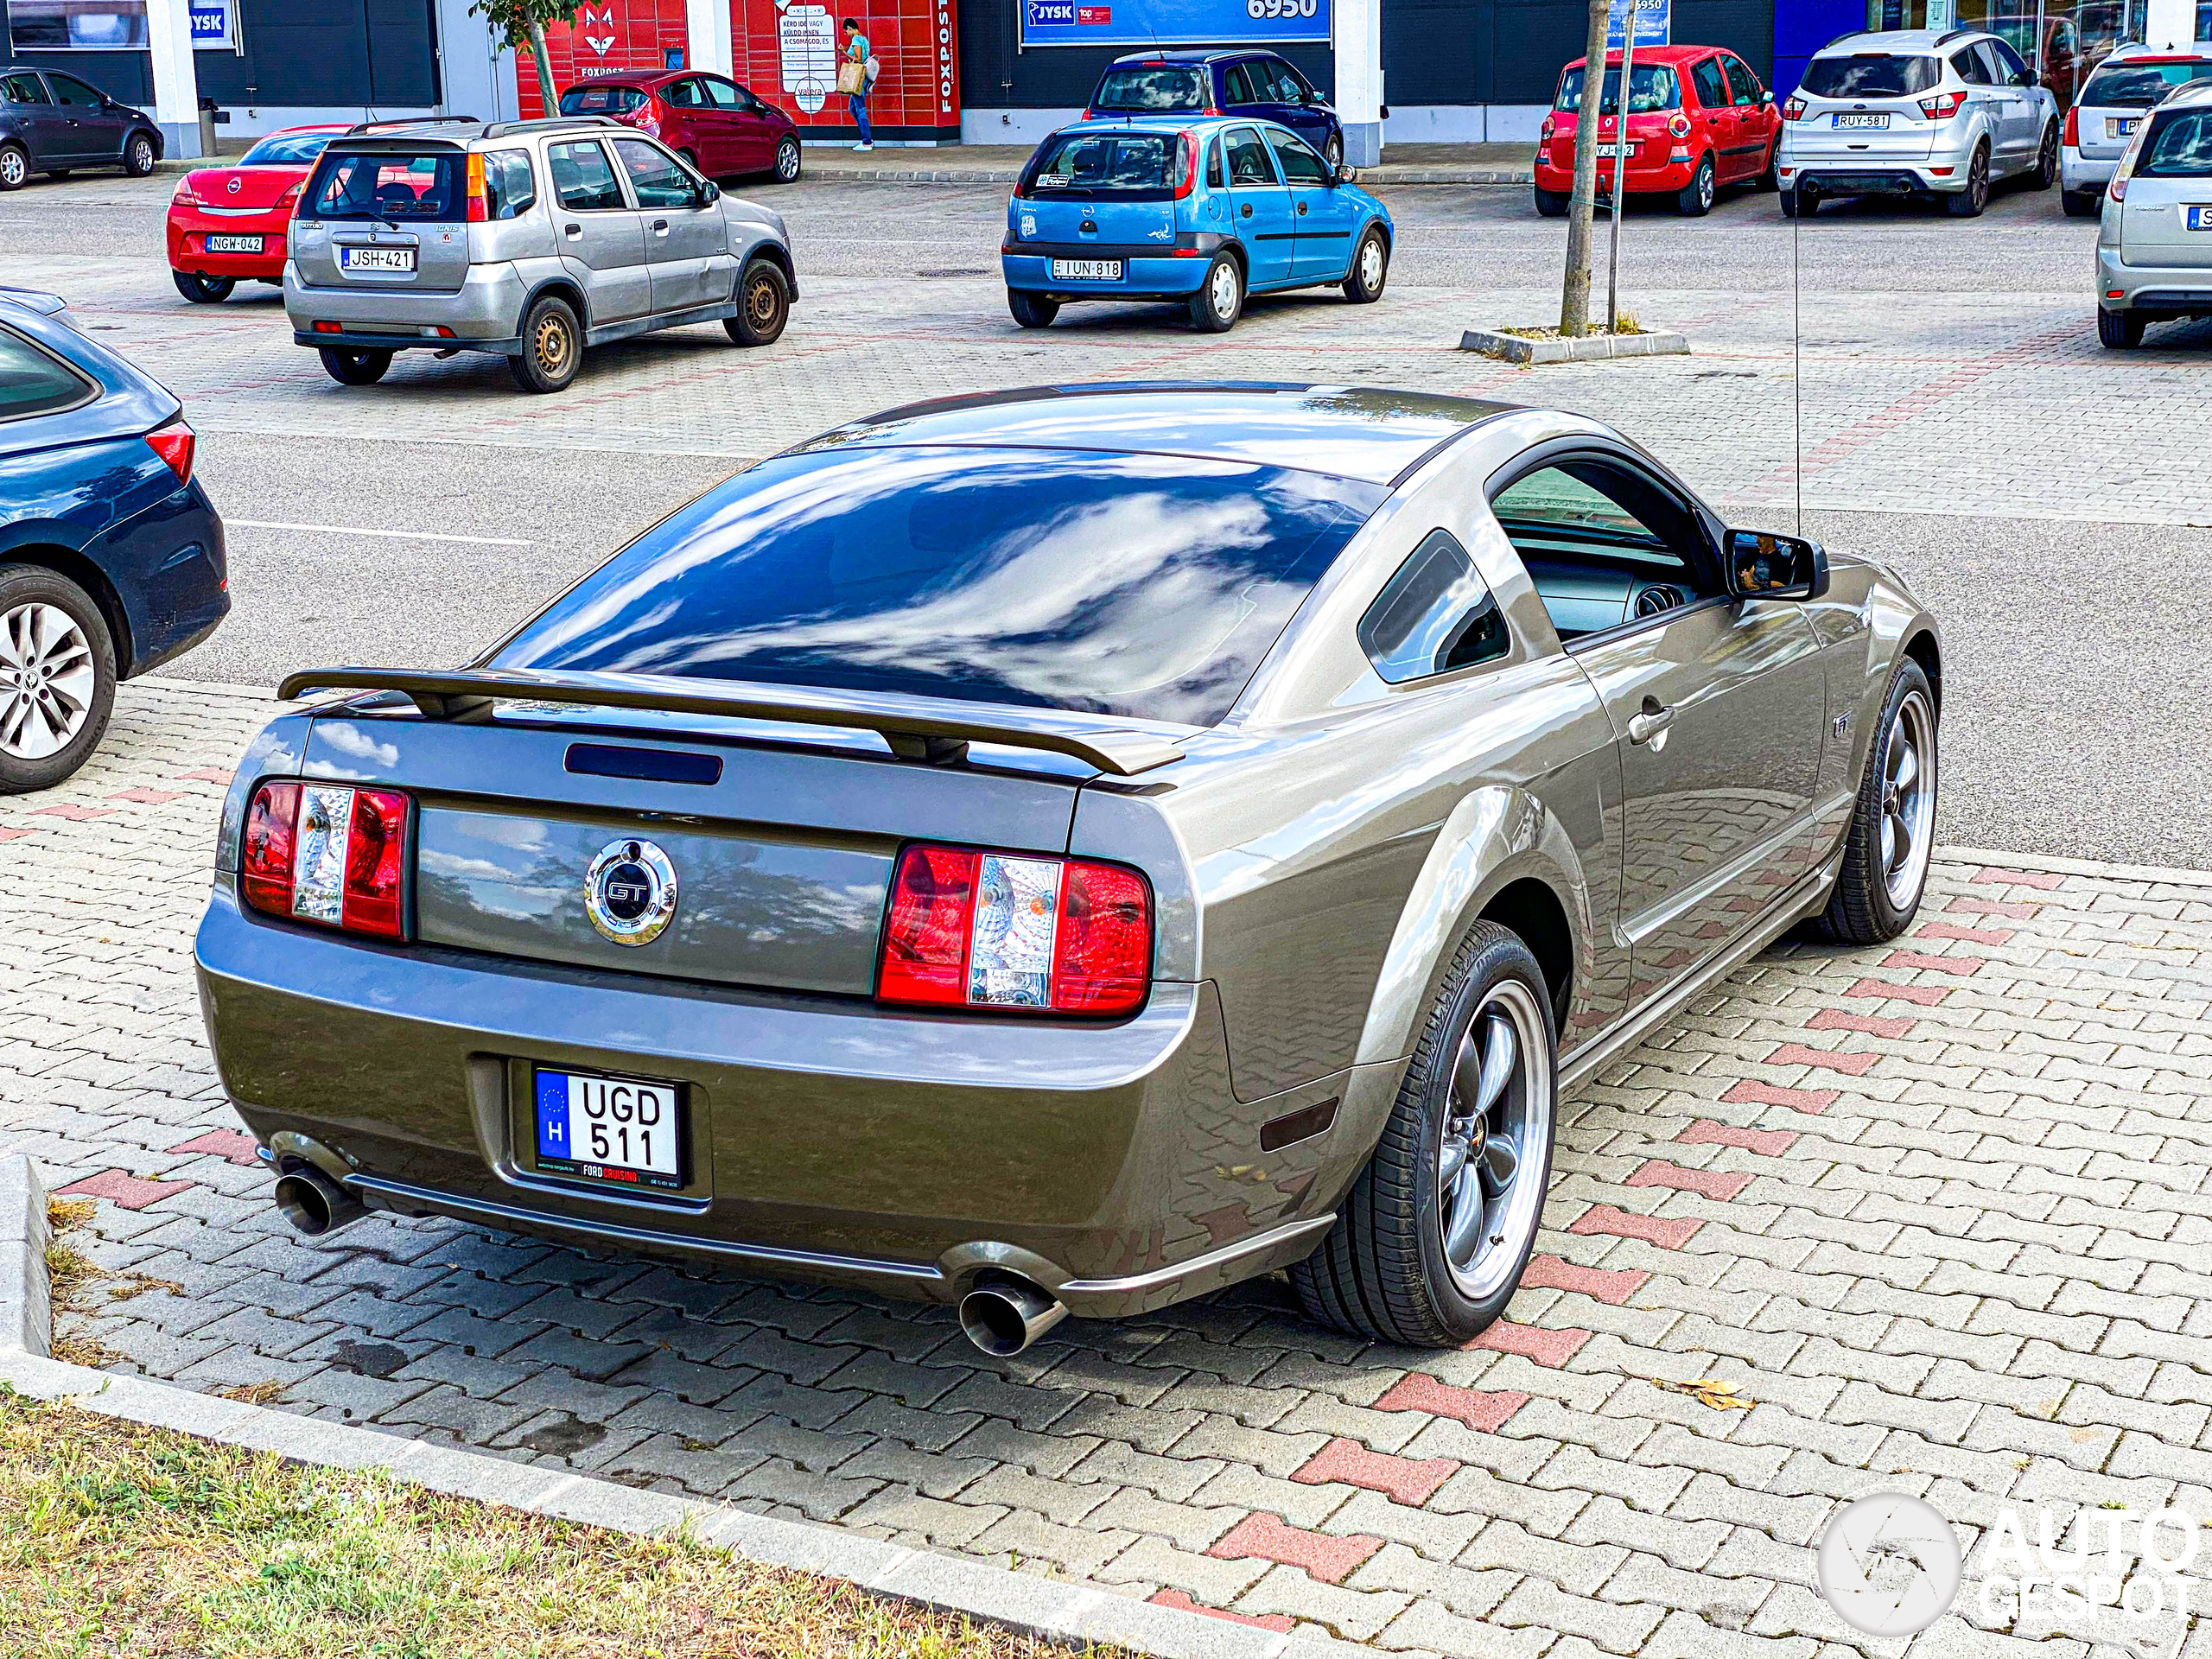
pixel 1201 212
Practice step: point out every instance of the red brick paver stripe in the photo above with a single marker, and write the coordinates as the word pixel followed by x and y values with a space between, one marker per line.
pixel 1410 1481
pixel 1770 1143
pixel 2020 910
pixel 1852 1065
pixel 1623 1224
pixel 118 1188
pixel 75 814
pixel 1961 965
pixel 1613 1286
pixel 1712 1183
pixel 1483 1410
pixel 1264 1537
pixel 2045 879
pixel 207 775
pixel 1875 1024
pixel 1748 1093
pixel 8 833
pixel 1546 1347
pixel 223 1143
pixel 1177 1599
pixel 144 797
pixel 1964 935
pixel 1927 996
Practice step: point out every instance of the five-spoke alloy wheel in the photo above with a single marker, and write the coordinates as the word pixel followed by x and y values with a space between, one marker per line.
pixel 1885 850
pixel 57 677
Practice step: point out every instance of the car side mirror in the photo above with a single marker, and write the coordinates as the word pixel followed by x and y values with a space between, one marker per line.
pixel 710 193
pixel 2026 78
pixel 1767 97
pixel 1763 565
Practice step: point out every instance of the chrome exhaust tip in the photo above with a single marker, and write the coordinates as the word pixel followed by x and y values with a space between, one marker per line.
pixel 1002 1315
pixel 314 1202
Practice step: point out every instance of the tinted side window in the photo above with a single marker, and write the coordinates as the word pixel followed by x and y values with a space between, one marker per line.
pixel 1299 164
pixel 33 382
pixel 1241 89
pixel 2179 147
pixel 727 97
pixel 1435 615
pixel 684 94
pixel 1743 85
pixel 655 176
pixel 582 177
pixel 1972 70
pixel 1711 90
pixel 74 92
pixel 1247 159
pixel 23 89
pixel 2009 62
pixel 510 187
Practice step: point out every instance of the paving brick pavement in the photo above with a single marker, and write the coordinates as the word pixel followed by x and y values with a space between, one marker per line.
pixel 1940 1210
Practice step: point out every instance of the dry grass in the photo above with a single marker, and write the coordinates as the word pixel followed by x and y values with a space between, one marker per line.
pixel 1628 323
pixel 118 1540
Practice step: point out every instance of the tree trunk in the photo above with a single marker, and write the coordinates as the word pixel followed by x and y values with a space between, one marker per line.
pixel 545 67
pixel 1574 295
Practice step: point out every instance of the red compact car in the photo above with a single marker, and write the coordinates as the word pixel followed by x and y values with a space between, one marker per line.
pixel 1698 119
pixel 229 223
pixel 715 124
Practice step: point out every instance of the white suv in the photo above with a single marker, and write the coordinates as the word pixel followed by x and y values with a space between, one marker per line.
pixel 2110 108
pixel 1915 112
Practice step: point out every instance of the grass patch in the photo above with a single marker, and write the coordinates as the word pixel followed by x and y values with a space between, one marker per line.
pixel 1629 325
pixel 118 1540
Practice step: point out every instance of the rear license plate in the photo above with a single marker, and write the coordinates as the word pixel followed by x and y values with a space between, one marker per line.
pixel 621 1129
pixel 2120 126
pixel 376 259
pixel 1612 152
pixel 1869 122
pixel 234 244
pixel 2197 218
pixel 1087 270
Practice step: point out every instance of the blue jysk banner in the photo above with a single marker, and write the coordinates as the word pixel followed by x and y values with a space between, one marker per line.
pixel 1654 23
pixel 1173 23
pixel 213 22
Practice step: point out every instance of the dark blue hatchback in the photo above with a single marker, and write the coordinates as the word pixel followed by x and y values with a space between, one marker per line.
pixel 1260 85
pixel 111 558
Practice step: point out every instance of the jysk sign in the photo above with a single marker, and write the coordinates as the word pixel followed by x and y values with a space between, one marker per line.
pixel 214 23
pixel 1173 22
pixel 1654 23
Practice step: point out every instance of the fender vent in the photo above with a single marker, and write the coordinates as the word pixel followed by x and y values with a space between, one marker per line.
pixel 1300 1125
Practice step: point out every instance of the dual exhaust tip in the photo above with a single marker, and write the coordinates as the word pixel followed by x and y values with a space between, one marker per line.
pixel 1002 1314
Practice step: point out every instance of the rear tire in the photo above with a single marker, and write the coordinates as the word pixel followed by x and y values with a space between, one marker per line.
pixel 2120 330
pixel 1220 299
pixel 2080 204
pixel 787 160
pixel 764 305
pixel 203 290
pixel 2046 173
pixel 1969 202
pixel 1695 199
pixel 552 347
pixel 14 166
pixel 1030 310
pixel 1885 851
pixel 1370 269
pixel 1770 176
pixel 50 729
pixel 138 156
pixel 1384 1272
pixel 358 368
pixel 1552 204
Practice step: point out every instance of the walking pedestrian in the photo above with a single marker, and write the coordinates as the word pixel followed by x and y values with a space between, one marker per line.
pixel 855 76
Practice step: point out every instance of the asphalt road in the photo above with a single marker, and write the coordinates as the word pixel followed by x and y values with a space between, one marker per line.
pixel 2079 671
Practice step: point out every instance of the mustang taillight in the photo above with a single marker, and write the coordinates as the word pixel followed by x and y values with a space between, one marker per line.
pixel 982 930
pixel 1942 106
pixel 327 853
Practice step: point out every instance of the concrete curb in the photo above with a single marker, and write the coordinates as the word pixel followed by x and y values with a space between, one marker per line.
pixel 1998 858
pixel 1054 1610
pixel 1513 349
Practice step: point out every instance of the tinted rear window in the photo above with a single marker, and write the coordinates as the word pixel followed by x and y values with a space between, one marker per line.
pixel 33 381
pixel 1870 74
pixel 1151 86
pixel 287 150
pixel 1651 87
pixel 1143 585
pixel 2179 146
pixel 2138 86
pixel 600 100
pixel 1134 164
pixel 394 188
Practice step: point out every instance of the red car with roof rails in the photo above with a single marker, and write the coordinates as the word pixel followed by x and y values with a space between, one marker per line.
pixel 1698 119
pixel 718 127
pixel 228 225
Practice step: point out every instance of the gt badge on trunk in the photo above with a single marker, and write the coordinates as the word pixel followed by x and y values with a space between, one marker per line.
pixel 630 891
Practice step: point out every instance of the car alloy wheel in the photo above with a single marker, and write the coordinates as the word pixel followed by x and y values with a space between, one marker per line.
pixel 1909 801
pixel 1335 153
pixel 47 681
pixel 139 158
pixel 2046 173
pixel 1695 199
pixel 787 160
pixel 1969 202
pixel 1491 1158
pixel 1886 848
pixel 14 167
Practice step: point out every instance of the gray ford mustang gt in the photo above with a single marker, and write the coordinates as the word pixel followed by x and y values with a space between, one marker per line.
pixel 1068 850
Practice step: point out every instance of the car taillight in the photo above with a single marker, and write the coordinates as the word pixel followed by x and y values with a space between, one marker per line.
pixel 649 117
pixel 478 211
pixel 982 930
pixel 290 199
pixel 2119 191
pixel 329 854
pixel 185 195
pixel 2072 135
pixel 1544 133
pixel 1942 106
pixel 174 444
pixel 1186 163
pixel 1678 125
pixel 1793 108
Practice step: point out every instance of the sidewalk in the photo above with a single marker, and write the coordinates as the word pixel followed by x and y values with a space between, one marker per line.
pixel 1001 164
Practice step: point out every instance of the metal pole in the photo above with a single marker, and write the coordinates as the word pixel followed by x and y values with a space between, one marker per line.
pixel 1620 172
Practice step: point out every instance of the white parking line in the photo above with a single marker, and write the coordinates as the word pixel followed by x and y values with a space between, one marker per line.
pixel 354 530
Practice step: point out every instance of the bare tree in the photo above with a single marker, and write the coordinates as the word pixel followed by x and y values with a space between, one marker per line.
pixel 521 24
pixel 1574 295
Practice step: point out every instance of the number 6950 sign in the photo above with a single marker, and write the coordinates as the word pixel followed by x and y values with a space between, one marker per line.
pixel 1268 9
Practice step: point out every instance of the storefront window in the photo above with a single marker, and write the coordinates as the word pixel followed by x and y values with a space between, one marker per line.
pixel 61 25
pixel 2061 40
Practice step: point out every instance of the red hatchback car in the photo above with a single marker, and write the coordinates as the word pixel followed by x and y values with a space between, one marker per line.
pixel 228 224
pixel 715 124
pixel 1698 119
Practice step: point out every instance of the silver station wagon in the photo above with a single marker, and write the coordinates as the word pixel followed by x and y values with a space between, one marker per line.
pixel 1069 850
pixel 532 240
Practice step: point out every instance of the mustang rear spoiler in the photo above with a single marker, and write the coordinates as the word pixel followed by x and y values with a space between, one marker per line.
pixel 917 728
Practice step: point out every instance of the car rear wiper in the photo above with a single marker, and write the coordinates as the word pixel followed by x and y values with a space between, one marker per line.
pixel 917 728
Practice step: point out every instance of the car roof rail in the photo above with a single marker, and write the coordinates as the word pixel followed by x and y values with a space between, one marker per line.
pixel 1848 35
pixel 1949 35
pixel 412 121
pixel 551 124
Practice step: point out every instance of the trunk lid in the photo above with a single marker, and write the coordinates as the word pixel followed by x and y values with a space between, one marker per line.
pixel 244 188
pixel 2167 222
pixel 1837 130
pixel 380 215
pixel 1063 219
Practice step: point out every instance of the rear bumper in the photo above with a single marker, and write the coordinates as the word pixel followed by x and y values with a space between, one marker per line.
pixel 188 232
pixel 2155 290
pixel 2078 172
pixel 830 1139
pixel 1644 177
pixel 1143 278
pixel 170 567
pixel 1841 180
pixel 487 308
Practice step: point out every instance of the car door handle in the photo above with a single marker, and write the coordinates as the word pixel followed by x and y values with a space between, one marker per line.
pixel 660 227
pixel 1301 210
pixel 575 232
pixel 1651 725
